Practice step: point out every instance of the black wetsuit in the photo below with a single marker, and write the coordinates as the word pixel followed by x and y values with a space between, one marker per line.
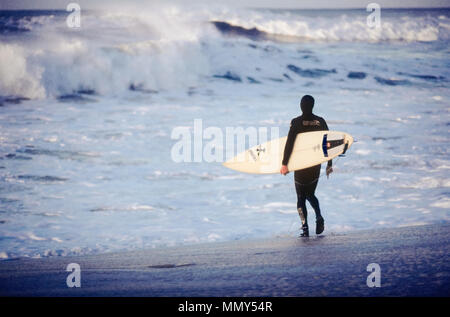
pixel 306 179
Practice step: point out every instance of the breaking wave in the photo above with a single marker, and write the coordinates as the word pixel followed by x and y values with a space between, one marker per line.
pixel 172 47
pixel 332 26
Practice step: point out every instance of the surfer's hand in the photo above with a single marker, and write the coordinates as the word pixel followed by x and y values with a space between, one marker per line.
pixel 284 170
pixel 329 170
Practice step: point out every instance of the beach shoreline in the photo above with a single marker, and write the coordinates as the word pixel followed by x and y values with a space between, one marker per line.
pixel 414 261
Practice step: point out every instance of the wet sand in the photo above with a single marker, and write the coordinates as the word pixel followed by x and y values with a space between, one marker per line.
pixel 414 261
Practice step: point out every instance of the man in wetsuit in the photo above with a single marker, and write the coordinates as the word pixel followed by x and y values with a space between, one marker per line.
pixel 306 179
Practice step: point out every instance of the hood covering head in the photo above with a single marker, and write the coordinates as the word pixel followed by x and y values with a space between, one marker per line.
pixel 307 104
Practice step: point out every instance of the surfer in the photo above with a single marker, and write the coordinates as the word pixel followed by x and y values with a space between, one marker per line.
pixel 306 179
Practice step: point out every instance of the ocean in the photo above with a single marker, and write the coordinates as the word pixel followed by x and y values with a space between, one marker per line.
pixel 88 114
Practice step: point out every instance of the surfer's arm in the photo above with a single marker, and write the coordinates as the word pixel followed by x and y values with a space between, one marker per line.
pixel 289 144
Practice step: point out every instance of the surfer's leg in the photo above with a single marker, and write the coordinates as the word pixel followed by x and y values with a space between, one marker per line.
pixel 301 208
pixel 301 204
pixel 312 199
pixel 315 204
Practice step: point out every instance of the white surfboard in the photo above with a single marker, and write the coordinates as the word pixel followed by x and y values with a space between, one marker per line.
pixel 310 148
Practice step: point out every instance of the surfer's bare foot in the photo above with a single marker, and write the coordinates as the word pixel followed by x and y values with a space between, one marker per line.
pixel 320 226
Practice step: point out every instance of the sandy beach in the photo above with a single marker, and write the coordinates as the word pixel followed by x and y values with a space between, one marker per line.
pixel 414 261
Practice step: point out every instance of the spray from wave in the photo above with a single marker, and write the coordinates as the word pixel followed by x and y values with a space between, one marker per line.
pixel 110 54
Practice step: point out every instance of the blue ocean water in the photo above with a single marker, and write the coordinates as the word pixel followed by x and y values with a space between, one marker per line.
pixel 87 116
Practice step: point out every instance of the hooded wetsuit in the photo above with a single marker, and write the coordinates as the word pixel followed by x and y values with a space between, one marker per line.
pixel 306 179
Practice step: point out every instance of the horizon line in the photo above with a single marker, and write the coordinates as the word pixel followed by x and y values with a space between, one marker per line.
pixel 259 8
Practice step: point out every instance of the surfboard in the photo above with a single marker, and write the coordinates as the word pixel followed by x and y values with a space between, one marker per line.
pixel 310 148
